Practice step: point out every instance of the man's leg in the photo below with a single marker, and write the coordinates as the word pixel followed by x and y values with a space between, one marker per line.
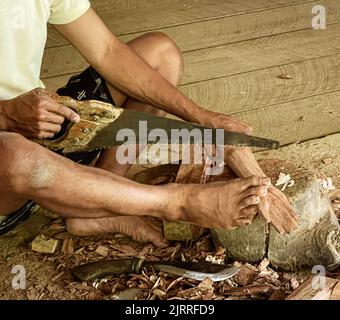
pixel 163 55
pixel 29 171
pixel 26 168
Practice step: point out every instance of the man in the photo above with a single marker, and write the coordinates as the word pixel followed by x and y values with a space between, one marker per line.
pixel 141 75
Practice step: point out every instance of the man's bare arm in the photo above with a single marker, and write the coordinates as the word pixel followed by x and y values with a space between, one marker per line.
pixel 126 71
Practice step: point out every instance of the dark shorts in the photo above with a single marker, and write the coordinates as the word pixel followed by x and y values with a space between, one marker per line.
pixel 88 85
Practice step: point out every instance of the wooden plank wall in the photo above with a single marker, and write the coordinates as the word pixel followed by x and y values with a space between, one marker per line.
pixel 235 51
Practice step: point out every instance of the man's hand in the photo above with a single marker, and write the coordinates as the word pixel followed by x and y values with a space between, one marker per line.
pixel 35 114
pixel 222 121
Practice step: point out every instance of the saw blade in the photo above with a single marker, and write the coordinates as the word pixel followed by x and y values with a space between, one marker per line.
pixel 142 128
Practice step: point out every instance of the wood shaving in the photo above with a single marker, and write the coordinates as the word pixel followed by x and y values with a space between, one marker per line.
pixel 284 180
pixel 214 259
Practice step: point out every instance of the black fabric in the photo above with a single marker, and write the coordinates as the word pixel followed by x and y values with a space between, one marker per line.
pixel 16 218
pixel 88 85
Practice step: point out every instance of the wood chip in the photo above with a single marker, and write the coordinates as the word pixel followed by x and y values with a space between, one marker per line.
pixel 246 275
pixel 68 246
pixel 125 250
pixel 159 293
pixel 102 251
pixel 206 284
pixel 264 264
pixel 58 276
pixel 44 245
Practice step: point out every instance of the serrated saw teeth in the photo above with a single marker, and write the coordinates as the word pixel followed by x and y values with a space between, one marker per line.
pixel 100 123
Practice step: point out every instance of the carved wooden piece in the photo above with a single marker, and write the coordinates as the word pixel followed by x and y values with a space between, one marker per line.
pixel 280 215
pixel 95 116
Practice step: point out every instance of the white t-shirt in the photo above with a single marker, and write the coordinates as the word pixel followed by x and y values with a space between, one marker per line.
pixel 23 33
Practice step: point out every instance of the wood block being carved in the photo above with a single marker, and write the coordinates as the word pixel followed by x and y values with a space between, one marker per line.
pixel 316 241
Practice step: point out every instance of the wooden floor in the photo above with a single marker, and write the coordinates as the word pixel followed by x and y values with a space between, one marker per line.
pixel 235 52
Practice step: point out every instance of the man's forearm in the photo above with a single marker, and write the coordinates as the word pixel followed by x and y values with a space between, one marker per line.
pixel 126 71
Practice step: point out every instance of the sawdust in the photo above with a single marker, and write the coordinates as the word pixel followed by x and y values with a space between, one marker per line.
pixel 50 277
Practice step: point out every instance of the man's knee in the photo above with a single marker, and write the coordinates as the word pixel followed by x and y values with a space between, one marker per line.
pixel 21 160
pixel 167 50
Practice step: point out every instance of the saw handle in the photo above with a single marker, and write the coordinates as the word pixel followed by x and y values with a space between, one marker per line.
pixel 102 269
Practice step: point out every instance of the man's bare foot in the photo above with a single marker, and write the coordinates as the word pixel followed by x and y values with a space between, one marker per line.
pixel 138 228
pixel 225 205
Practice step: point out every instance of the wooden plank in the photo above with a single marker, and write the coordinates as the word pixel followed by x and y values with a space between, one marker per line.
pixel 225 60
pixel 110 5
pixel 243 27
pixel 167 16
pixel 294 121
pixel 259 88
pixel 315 288
pixel 299 120
pixel 264 87
pixel 57 82
pixel 260 53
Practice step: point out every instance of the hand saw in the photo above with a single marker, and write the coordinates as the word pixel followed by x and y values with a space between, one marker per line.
pixel 193 270
pixel 101 127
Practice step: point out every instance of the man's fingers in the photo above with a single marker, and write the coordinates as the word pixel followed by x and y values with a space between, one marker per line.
pixel 44 135
pixel 256 191
pixel 240 126
pixel 255 181
pixel 55 118
pixel 249 212
pixel 64 111
pixel 47 116
pixel 47 128
pixel 250 201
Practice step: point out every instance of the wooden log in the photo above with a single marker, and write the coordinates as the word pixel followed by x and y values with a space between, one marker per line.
pixel 335 295
pixel 316 241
